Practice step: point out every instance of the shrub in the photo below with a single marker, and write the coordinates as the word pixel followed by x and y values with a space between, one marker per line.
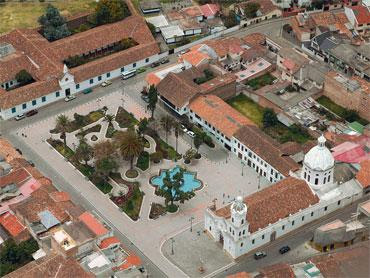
pixel 143 161
pixel 156 157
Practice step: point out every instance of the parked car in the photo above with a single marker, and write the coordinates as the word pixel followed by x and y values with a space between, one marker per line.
pixel 31 113
pixel 69 98
pixel 165 61
pixel 259 255
pixel 145 98
pixel 155 64
pixel 87 91
pixel 190 133
pixel 284 249
pixel 20 117
pixel 106 83
pixel 184 129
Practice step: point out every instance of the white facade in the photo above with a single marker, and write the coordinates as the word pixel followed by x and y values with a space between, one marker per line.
pixel 236 238
pixel 69 87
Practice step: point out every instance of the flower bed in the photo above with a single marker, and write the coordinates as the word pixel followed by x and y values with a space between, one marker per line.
pixel 157 210
pixel 125 119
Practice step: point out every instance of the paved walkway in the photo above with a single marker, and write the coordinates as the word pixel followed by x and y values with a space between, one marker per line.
pixel 222 179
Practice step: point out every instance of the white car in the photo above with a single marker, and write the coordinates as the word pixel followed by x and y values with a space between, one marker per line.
pixel 106 83
pixel 184 129
pixel 190 133
pixel 20 117
pixel 69 98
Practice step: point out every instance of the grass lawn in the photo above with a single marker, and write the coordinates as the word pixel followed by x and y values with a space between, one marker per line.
pixel 285 134
pixel 24 15
pixel 259 82
pixel 248 108
pixel 132 206
pixel 143 161
pixel 167 150
pixel 340 111
pixel 125 119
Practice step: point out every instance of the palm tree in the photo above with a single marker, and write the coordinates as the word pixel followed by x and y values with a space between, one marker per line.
pixel 130 145
pixel 63 123
pixel 84 151
pixel 109 118
pixel 167 123
pixel 178 131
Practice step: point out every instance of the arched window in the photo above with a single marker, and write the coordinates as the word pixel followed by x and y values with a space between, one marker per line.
pixel 329 178
pixel 241 244
pixel 232 219
pixel 316 181
pixel 242 221
pixel 308 178
pixel 305 174
pixel 324 180
pixel 240 233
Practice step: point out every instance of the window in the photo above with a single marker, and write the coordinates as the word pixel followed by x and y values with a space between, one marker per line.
pixel 308 178
pixel 252 241
pixel 91 81
pixel 232 219
pixel 316 180
pixel 233 233
pixel 240 233
pixel 302 218
pixel 122 69
pixel 243 232
pixel 338 202
pixel 43 99
pixel 324 180
pixel 134 65
pixel 329 178
pixel 283 227
pixel 99 78
pixel 305 175
pixel 230 229
pixel 14 110
pixel 57 94
pixel 293 223
pixel 108 74
pixel 146 60
pixel 24 105
pixel 34 102
pixel 210 228
pixel 311 214
pixel 241 244
pixel 242 221
pixel 77 86
pixel 272 171
pixel 326 208
pixel 263 236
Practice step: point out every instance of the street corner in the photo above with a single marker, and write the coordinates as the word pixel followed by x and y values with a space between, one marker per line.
pixel 195 253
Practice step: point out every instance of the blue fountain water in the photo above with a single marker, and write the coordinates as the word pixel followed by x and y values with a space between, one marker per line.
pixel 190 182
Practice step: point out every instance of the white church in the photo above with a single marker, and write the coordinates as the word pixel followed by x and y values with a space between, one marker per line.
pixel 260 218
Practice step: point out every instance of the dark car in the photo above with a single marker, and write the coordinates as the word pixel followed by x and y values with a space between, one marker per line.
pixel 87 91
pixel 259 255
pixel 31 113
pixel 284 249
pixel 155 64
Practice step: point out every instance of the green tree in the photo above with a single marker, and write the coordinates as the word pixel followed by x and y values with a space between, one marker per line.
pixel 198 141
pixel 109 11
pixel 251 9
pixel 178 131
pixel 269 118
pixel 153 99
pixel 104 167
pixel 167 123
pixel 23 77
pixel 230 20
pixel 156 156
pixel 62 125
pixel 130 145
pixel 171 189
pixel 151 28
pixel 142 126
pixel 84 151
pixel 189 155
pixel 53 25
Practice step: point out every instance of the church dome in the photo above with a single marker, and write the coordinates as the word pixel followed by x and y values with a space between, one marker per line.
pixel 319 157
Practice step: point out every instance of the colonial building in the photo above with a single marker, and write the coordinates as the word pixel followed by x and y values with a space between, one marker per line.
pixel 260 218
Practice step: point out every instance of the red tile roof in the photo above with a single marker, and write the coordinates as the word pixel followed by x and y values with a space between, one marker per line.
pixel 210 9
pixel 93 224
pixel 17 177
pixel 240 275
pixel 107 242
pixel 219 114
pixel 11 223
pixel 131 261
pixel 193 11
pixel 363 175
pixel 275 202
pixel 254 39
pixel 281 270
pixel 362 14
pixel 60 196
pixel 194 57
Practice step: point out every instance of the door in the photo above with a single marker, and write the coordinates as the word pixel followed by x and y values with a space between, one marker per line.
pixel 273 236
pixel 221 239
pixel 68 92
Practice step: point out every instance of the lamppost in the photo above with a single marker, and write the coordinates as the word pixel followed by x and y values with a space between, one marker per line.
pixel 243 164
pixel 172 241
pixel 191 223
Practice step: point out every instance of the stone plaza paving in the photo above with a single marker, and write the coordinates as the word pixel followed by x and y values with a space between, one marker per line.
pixel 220 172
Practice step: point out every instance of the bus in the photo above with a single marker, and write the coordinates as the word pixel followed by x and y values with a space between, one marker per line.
pixel 128 74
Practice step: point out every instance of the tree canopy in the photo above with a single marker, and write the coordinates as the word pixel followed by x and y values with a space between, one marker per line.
pixel 153 98
pixel 269 118
pixel 53 25
pixel 251 9
pixel 23 77
pixel 109 11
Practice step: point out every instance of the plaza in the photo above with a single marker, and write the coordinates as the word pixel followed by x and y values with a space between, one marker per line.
pixel 222 175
